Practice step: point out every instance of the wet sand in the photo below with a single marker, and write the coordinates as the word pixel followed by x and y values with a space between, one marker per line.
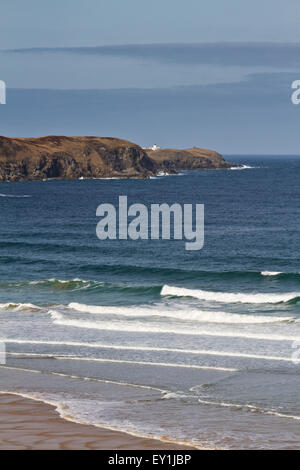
pixel 28 424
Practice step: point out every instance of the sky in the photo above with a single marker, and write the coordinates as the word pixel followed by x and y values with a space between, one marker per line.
pixel 221 55
pixel 100 22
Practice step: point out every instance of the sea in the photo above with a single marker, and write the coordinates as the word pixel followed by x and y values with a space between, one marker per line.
pixel 196 347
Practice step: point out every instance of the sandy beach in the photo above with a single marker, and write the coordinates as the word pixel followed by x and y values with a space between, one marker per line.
pixel 30 425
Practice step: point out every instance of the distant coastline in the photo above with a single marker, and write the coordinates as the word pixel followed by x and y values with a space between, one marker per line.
pixel 64 157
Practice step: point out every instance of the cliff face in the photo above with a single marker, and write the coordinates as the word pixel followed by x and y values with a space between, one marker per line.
pixel 71 158
pixel 194 158
pixel 94 157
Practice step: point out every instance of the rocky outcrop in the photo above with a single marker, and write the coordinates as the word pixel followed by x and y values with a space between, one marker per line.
pixel 94 157
pixel 72 158
pixel 194 158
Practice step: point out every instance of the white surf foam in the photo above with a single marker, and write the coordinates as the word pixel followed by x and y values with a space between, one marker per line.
pixel 181 314
pixel 14 195
pixel 77 412
pixel 119 347
pixel 122 361
pixel 59 281
pixel 19 306
pixel 250 407
pixel 43 281
pixel 181 329
pixel 270 273
pixel 243 167
pixel 79 377
pixel 228 297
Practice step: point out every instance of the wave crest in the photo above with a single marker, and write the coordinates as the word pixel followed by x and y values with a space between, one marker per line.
pixel 230 297
pixel 178 314
pixel 14 195
pixel 19 306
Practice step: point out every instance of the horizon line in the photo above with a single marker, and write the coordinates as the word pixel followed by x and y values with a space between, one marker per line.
pixel 205 43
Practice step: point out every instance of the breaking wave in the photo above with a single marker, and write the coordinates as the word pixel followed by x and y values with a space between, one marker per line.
pixel 271 273
pixel 14 195
pixel 178 329
pixel 19 306
pixel 179 313
pixel 230 297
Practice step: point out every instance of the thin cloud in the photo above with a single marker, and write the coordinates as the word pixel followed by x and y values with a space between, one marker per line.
pixel 278 55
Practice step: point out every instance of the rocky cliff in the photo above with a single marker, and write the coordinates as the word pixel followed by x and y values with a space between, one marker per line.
pixel 194 158
pixel 94 157
pixel 72 158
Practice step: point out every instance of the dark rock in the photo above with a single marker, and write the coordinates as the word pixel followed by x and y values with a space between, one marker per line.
pixel 94 157
pixel 71 158
pixel 195 158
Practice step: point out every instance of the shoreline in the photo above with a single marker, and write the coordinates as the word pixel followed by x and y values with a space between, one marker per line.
pixel 31 424
pixel 73 157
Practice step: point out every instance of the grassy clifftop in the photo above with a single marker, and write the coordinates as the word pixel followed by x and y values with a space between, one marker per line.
pixel 71 158
pixel 94 157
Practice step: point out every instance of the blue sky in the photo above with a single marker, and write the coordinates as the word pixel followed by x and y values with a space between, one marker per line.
pixel 34 23
pixel 231 60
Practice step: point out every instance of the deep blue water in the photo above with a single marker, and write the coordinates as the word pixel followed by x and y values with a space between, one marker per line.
pixel 193 345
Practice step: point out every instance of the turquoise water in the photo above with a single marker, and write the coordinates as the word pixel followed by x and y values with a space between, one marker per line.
pixel 145 336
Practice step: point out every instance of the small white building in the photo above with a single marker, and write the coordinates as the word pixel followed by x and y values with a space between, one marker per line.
pixel 154 147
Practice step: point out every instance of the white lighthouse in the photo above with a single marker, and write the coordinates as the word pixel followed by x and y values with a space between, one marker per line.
pixel 155 147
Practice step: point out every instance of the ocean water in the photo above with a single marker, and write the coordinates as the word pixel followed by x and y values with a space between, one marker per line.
pixel 144 336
